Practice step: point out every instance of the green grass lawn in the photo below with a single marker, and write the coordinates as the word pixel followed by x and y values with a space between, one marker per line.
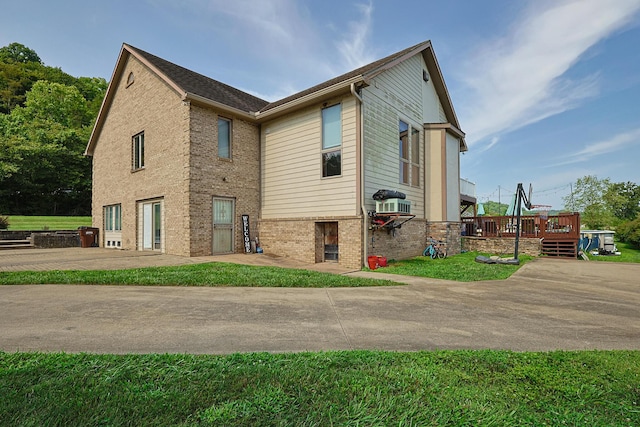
pixel 17 223
pixel 349 388
pixel 627 254
pixel 461 267
pixel 209 274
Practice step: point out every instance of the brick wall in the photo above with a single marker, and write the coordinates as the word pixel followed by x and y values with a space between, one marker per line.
pixel 151 106
pixel 401 243
pixel 502 245
pixel 449 233
pixel 301 239
pixel 237 178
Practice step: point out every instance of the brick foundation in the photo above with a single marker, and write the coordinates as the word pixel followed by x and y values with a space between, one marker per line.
pixel 301 239
pixel 449 233
pixel 401 243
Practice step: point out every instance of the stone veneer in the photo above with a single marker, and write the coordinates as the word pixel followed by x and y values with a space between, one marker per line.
pixel 502 245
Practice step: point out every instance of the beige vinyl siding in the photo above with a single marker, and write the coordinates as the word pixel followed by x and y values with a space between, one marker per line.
pixel 453 178
pixel 292 182
pixel 433 112
pixel 433 177
pixel 394 95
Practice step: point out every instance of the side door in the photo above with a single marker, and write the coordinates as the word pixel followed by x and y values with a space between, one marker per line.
pixel 223 226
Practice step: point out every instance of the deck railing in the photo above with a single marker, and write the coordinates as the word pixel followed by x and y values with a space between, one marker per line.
pixel 467 188
pixel 561 226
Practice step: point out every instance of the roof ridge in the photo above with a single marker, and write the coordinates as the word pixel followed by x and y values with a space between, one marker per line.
pixel 370 67
pixel 199 84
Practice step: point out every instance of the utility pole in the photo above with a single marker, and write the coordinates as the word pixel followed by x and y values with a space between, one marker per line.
pixel 573 208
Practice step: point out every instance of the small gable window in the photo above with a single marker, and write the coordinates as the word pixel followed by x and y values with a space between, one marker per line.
pixel 130 79
pixel 332 141
pixel 224 138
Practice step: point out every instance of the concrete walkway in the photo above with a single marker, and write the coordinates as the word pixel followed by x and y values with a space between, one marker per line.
pixel 112 259
pixel 548 304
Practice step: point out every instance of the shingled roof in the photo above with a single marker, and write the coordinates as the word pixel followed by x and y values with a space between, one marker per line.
pixel 362 71
pixel 194 83
pixel 194 86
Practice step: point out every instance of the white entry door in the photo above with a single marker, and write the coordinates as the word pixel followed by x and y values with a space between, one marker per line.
pixel 223 214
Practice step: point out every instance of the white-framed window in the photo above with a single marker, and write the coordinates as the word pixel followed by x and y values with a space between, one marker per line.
pixel 409 153
pixel 113 218
pixel 224 138
pixel 332 141
pixel 138 151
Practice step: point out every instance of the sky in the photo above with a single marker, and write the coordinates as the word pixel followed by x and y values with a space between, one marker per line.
pixel 547 91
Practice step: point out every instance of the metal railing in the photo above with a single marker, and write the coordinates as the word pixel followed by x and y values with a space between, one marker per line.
pixel 467 188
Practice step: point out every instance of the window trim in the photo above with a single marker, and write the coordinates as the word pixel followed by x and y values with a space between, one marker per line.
pixel 113 217
pixel 409 161
pixel 230 138
pixel 337 148
pixel 137 151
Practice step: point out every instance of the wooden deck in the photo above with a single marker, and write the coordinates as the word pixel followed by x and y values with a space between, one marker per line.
pixel 559 233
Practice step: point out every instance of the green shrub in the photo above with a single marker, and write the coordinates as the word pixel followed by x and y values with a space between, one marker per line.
pixel 4 222
pixel 629 232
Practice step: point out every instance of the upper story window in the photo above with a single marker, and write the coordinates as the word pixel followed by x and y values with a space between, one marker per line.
pixel 332 140
pixel 138 151
pixel 409 151
pixel 224 138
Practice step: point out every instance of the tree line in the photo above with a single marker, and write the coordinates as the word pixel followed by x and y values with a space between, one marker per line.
pixel 605 204
pixel 602 204
pixel 46 118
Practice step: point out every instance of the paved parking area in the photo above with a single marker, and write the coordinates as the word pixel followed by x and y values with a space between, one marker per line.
pixel 548 304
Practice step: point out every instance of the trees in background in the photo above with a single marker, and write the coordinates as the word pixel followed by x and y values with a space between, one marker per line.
pixel 46 117
pixel 605 204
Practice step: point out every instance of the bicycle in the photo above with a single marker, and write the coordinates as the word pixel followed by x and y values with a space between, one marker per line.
pixel 434 250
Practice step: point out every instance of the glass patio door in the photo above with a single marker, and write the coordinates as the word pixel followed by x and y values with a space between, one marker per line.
pixel 152 226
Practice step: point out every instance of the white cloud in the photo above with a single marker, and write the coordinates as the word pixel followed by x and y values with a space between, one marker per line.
pixel 353 47
pixel 616 143
pixel 520 79
pixel 290 41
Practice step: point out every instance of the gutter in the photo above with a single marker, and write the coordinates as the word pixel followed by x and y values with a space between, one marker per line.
pixel 311 97
pixel 188 96
pixel 365 228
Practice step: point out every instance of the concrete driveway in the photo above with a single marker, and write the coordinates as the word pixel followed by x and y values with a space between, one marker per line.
pixel 548 304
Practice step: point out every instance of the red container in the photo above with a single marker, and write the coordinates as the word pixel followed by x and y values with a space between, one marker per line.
pixel 382 261
pixel 373 262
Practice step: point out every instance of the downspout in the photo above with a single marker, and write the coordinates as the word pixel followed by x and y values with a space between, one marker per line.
pixel 365 228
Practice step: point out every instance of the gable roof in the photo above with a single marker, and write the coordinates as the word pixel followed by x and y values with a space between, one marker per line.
pixel 358 72
pixel 197 87
pixel 191 83
pixel 362 76
pixel 187 84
